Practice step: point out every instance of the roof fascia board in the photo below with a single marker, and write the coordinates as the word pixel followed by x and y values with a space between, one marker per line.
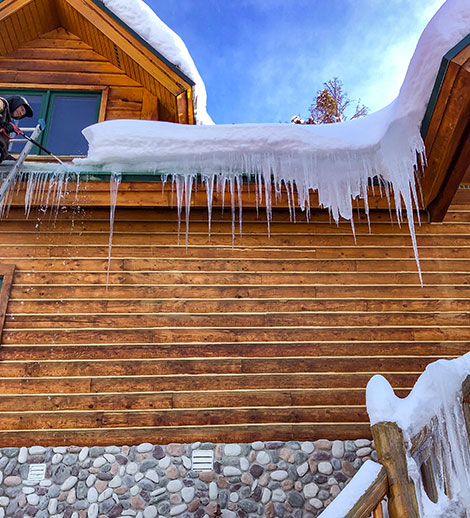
pixel 448 57
pixel 9 7
pixel 173 67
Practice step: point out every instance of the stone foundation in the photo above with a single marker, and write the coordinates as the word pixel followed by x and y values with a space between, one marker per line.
pixel 272 479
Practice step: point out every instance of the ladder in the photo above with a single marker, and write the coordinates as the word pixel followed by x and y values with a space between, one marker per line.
pixel 12 175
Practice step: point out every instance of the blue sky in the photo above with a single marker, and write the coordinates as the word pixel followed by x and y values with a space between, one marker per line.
pixel 264 60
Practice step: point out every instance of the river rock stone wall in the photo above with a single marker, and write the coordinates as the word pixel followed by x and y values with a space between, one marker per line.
pixel 272 479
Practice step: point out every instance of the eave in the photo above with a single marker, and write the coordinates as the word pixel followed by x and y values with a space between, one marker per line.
pixel 446 132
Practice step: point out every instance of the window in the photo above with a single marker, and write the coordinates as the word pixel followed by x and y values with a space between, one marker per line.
pixel 66 113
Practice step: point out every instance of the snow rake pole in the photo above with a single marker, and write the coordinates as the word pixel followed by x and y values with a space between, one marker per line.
pixel 16 167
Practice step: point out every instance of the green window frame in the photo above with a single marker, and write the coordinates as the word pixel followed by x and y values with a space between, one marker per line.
pixel 49 102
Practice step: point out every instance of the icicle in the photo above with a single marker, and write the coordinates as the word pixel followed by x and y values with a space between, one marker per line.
pixel 179 181
pixel 188 187
pixel 113 191
pixel 232 206
pixel 239 180
pixel 209 182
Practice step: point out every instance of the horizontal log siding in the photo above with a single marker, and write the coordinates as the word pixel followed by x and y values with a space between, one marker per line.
pixel 268 338
pixel 60 58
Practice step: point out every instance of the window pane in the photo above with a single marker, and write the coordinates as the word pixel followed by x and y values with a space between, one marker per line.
pixel 35 100
pixel 70 114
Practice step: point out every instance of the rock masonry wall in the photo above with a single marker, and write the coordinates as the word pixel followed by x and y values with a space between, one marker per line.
pixel 272 479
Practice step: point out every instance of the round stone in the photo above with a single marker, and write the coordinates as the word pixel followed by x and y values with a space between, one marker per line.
pixel 311 490
pixel 83 453
pixel 164 463
pixel 12 481
pixel 325 468
pixel 278 495
pixel 257 445
pixel 362 443
pixel 92 495
pixel 69 483
pixel 295 499
pixel 93 510
pixel 263 457
pixel 178 509
pixel 52 506
pixel 307 447
pixel 213 490
pixel 302 469
pixel 56 458
pixel 115 482
pixel 132 468
pixel 37 450
pixel 98 462
pixel 266 495
pixel 316 503
pixel 337 449
pixel 231 471
pixel 279 475
pixel 23 455
pixel 152 475
pixel 144 447
pixel 232 450
pixel 363 452
pixel 174 485
pixel 150 512
pixel 187 493
pixel 175 449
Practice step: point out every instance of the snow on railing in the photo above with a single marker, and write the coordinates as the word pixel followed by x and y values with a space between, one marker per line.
pixel 423 441
pixel 362 496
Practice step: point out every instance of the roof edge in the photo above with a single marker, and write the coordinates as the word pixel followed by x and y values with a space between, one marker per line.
pixel 447 58
pixel 175 69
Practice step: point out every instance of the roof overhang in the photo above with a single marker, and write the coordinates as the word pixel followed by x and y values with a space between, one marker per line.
pixel 446 131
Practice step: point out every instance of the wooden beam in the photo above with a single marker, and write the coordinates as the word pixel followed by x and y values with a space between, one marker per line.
pixel 391 452
pixel 6 271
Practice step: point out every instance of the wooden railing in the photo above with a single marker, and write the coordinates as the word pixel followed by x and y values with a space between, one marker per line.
pixel 363 496
pixel 422 473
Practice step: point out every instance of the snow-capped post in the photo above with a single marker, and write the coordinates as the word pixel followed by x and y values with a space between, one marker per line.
pixel 390 446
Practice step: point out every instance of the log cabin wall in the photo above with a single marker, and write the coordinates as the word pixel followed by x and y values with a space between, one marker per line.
pixel 268 338
pixel 60 60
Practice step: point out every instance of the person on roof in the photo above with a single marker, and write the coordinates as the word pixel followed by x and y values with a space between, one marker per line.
pixel 16 107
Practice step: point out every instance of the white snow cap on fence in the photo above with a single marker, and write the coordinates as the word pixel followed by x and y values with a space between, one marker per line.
pixel 140 17
pixel 439 385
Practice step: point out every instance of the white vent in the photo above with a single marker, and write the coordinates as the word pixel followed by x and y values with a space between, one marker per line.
pixel 37 472
pixel 202 460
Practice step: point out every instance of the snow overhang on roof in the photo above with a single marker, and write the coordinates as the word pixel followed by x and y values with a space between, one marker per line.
pixel 159 55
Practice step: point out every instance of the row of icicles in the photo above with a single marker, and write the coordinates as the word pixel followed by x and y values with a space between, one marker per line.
pixel 47 191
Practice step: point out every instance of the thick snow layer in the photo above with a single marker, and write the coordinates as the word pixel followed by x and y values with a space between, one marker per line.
pixel 337 160
pixel 139 17
pixel 348 497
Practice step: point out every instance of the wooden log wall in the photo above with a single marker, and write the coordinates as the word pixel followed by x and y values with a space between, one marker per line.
pixel 59 59
pixel 268 338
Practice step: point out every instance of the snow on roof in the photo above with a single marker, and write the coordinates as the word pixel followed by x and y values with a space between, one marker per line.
pixel 337 160
pixel 140 18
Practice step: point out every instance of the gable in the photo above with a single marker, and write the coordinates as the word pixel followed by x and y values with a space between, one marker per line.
pixel 23 21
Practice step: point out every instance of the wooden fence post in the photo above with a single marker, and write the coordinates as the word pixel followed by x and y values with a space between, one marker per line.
pixel 390 447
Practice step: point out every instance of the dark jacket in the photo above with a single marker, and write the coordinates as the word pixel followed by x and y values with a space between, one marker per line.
pixel 4 121
pixel 7 106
